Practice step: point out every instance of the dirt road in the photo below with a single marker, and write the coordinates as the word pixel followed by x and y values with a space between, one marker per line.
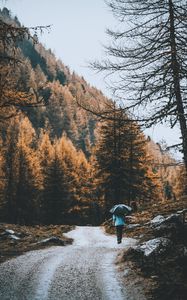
pixel 82 271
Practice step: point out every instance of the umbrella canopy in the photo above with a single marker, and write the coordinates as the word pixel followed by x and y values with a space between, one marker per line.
pixel 121 209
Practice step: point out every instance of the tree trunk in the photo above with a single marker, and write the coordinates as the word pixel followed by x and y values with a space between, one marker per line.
pixel 177 88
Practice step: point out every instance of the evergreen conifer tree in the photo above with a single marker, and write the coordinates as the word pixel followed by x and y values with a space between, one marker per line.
pixel 123 170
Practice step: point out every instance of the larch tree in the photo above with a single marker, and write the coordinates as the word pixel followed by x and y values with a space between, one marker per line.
pixel 11 170
pixel 29 180
pixel 53 204
pixel 178 188
pixel 83 172
pixel 68 155
pixel 23 173
pixel 148 54
pixel 45 151
pixel 166 167
pixel 13 100
pixel 83 208
pixel 60 183
pixel 2 178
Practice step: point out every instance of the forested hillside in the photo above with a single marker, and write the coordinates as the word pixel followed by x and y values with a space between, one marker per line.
pixel 59 162
pixel 41 74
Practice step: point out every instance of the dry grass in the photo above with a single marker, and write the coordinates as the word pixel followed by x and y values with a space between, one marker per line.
pixel 29 238
pixel 167 281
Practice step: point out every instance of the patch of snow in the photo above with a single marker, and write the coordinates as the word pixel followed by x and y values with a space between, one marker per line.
pixel 9 231
pixel 14 237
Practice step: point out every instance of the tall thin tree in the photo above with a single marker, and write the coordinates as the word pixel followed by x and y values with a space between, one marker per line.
pixel 148 52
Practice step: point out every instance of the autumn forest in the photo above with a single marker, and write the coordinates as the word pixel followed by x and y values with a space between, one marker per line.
pixel 60 163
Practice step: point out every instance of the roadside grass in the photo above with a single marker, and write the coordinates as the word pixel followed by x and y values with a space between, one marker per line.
pixel 29 238
pixel 144 214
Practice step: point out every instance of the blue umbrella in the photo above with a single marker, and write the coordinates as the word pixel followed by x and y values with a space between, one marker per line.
pixel 121 209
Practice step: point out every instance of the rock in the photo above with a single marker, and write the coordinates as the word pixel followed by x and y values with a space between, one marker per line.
pixel 164 257
pixel 174 218
pixel 153 246
pixel 141 236
pixel 21 234
pixel 171 227
pixel 182 211
pixel 147 255
pixel 157 220
pixel 126 272
pixel 8 233
pixel 132 226
pixel 154 277
pixel 185 251
pixel 52 240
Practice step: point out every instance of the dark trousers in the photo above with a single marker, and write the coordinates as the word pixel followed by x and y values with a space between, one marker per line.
pixel 119 232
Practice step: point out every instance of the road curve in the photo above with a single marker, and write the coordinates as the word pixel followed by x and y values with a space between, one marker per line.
pixel 82 271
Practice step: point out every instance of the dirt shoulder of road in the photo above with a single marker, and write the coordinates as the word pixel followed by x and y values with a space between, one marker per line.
pixel 144 215
pixel 162 275
pixel 16 239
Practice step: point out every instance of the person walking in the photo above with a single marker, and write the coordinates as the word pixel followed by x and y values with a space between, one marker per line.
pixel 119 222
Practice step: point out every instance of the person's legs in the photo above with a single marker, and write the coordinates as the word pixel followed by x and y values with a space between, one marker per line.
pixel 119 232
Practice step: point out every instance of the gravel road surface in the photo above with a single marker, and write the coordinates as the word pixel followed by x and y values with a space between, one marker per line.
pixel 82 271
